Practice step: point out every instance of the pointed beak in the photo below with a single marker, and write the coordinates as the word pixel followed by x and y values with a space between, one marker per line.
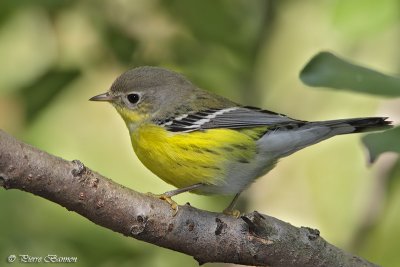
pixel 102 97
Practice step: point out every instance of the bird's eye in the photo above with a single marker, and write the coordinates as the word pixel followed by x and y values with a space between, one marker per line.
pixel 133 98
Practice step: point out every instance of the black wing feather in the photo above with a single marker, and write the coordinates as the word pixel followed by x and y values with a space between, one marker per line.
pixel 234 117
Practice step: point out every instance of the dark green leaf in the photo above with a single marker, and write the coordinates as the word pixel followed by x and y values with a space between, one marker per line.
pixel 235 26
pixel 393 178
pixel 9 7
pixel 328 70
pixel 121 44
pixel 378 143
pixel 42 91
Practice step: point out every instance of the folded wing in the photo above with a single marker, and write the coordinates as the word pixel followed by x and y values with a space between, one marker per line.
pixel 232 117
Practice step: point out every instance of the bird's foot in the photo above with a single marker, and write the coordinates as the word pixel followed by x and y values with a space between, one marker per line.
pixel 168 199
pixel 232 212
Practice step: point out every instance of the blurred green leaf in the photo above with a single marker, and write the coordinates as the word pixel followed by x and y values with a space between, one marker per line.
pixel 193 14
pixel 220 22
pixel 42 91
pixel 121 44
pixel 393 178
pixel 328 70
pixel 378 143
pixel 8 7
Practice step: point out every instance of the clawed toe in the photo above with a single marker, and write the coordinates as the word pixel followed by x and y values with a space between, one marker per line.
pixel 168 199
pixel 234 213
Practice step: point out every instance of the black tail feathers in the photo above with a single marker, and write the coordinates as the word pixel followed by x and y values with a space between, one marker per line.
pixel 370 124
pixel 361 125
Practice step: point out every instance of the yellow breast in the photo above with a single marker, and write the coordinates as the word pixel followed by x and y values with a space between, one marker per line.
pixel 184 159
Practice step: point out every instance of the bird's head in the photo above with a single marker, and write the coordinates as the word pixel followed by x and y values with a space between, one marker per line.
pixel 147 93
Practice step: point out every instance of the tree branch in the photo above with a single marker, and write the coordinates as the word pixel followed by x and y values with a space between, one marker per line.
pixel 253 239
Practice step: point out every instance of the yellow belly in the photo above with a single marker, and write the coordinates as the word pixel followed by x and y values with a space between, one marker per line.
pixel 184 159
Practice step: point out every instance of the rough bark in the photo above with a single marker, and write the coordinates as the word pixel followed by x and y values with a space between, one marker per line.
pixel 252 239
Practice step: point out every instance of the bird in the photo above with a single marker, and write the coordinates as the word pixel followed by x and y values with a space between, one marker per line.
pixel 204 143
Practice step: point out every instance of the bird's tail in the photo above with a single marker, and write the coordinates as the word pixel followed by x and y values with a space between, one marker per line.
pixel 356 125
pixel 283 141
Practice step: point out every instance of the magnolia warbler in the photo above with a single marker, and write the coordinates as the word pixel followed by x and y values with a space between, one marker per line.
pixel 201 142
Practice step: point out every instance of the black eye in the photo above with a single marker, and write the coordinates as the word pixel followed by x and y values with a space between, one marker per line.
pixel 133 98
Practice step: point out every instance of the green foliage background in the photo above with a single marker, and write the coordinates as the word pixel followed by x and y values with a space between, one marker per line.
pixel 56 54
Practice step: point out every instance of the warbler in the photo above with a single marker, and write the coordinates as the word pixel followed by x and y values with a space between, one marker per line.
pixel 201 142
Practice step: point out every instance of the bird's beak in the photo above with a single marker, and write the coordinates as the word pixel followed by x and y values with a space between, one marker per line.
pixel 102 97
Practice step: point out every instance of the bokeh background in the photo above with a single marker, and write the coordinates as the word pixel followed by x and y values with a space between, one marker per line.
pixel 56 54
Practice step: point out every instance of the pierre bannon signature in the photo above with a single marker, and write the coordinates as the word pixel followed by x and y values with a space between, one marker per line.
pixel 50 258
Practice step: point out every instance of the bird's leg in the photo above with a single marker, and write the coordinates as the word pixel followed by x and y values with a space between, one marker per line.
pixel 229 210
pixel 167 195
